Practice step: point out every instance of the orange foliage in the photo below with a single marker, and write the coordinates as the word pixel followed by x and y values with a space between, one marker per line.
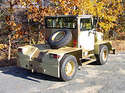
pixel 107 11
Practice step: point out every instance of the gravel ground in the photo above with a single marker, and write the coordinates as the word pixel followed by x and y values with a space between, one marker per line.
pixel 109 78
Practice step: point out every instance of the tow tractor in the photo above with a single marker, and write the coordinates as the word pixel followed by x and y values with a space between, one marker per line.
pixel 72 41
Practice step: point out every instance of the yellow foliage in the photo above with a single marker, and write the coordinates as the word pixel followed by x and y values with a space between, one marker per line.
pixel 107 11
pixel 3 46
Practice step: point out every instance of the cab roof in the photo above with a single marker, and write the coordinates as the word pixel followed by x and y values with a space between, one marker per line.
pixel 81 16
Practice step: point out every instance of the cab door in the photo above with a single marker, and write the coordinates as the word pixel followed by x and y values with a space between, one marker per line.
pixel 86 34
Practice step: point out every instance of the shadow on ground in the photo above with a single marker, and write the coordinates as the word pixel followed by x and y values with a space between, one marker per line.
pixel 93 63
pixel 25 74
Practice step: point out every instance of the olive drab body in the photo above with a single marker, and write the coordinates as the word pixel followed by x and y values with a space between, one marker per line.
pixel 70 40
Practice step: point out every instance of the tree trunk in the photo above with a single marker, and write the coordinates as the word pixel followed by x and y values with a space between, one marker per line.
pixel 9 49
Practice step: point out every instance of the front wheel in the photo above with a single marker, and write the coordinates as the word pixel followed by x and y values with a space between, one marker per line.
pixel 102 57
pixel 68 67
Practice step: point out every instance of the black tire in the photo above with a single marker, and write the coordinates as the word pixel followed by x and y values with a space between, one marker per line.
pixel 102 57
pixel 67 37
pixel 65 75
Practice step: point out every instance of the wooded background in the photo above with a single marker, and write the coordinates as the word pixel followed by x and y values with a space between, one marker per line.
pixel 24 19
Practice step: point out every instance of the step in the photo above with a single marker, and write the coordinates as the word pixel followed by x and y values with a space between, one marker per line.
pixel 113 51
pixel 88 62
pixel 88 56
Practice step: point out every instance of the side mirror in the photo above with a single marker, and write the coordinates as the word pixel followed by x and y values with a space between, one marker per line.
pixel 94 22
pixel 94 29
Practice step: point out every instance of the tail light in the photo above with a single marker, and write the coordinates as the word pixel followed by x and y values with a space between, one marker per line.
pixel 19 49
pixel 55 56
pixel 74 43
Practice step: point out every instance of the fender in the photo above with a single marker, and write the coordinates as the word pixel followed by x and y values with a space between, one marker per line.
pixel 98 44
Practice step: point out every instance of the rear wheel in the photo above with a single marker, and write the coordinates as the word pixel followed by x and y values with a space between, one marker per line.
pixel 68 67
pixel 102 57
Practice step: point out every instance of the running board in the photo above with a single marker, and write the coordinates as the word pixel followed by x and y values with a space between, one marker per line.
pixel 88 56
pixel 113 51
pixel 88 62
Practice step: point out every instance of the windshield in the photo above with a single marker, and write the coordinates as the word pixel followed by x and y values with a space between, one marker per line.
pixel 61 22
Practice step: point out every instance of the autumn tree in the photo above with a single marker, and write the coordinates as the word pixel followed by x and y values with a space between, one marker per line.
pixel 35 13
pixel 106 11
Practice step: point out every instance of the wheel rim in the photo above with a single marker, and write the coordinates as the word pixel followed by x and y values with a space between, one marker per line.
pixel 69 69
pixel 58 36
pixel 105 52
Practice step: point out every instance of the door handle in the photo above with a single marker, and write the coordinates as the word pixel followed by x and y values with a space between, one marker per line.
pixel 91 32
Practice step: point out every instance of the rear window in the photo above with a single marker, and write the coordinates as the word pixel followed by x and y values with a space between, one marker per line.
pixel 61 22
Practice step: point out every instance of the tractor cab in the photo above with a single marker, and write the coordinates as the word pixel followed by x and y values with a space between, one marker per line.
pixel 81 28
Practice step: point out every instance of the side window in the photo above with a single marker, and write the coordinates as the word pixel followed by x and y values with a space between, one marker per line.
pixel 85 24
